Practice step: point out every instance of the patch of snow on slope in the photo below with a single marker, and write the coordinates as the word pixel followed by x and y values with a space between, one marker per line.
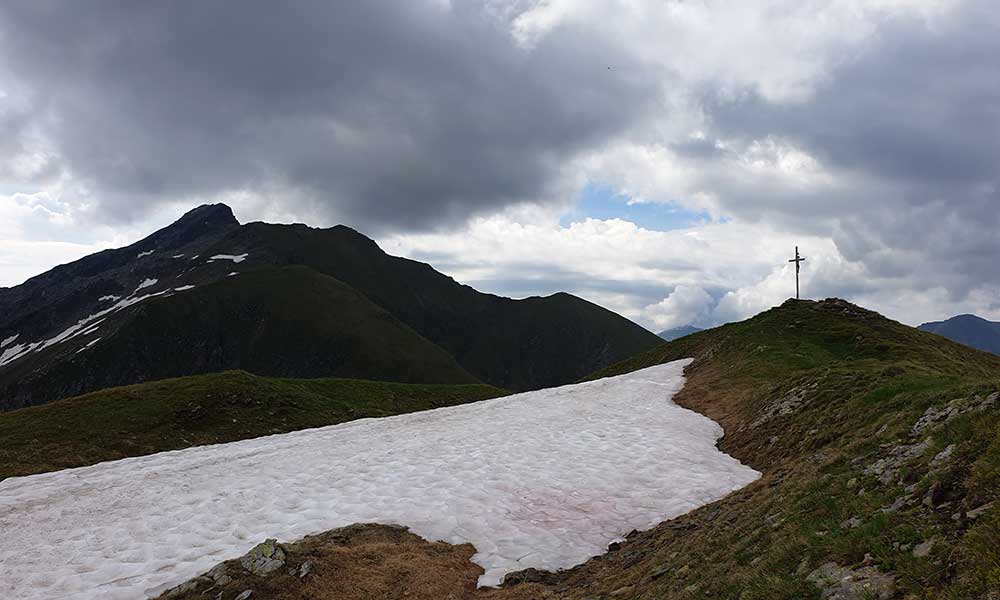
pixel 236 258
pixel 8 341
pixel 108 297
pixel 147 253
pixel 183 288
pixel 231 273
pixel 177 256
pixel 84 326
pixel 89 344
pixel 542 479
pixel 146 283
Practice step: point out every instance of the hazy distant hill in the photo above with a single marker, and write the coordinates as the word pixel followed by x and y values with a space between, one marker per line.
pixel 207 294
pixel 678 332
pixel 969 330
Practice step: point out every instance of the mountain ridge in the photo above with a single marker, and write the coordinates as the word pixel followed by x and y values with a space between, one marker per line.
pixel 58 319
pixel 968 329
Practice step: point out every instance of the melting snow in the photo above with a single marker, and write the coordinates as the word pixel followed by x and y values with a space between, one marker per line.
pixel 236 258
pixel 232 273
pixel 6 342
pixel 89 344
pixel 84 326
pixel 108 297
pixel 145 284
pixel 183 288
pixel 543 479
pixel 177 256
pixel 146 253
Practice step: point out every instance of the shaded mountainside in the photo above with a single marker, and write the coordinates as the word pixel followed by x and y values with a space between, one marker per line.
pixel 678 332
pixel 283 322
pixel 969 330
pixel 207 294
pixel 203 409
pixel 880 451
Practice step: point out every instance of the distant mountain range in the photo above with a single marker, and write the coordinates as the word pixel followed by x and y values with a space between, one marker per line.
pixel 678 332
pixel 969 330
pixel 207 294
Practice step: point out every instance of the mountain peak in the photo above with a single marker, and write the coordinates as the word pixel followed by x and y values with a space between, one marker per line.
pixel 209 214
pixel 193 224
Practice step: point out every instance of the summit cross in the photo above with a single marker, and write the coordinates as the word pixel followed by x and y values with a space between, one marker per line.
pixel 798 265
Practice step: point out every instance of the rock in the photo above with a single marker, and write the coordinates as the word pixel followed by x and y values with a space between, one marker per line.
pixel 887 468
pixel 244 595
pixel 923 549
pixel 943 456
pixel 264 558
pixel 305 569
pixel 978 512
pixel 622 591
pixel 840 583
pixel 852 483
pixel 659 572
pixel 851 523
pixel 897 504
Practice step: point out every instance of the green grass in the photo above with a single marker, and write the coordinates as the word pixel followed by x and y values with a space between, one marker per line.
pixel 204 409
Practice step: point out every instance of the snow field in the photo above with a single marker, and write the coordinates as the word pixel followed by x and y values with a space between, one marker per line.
pixel 542 479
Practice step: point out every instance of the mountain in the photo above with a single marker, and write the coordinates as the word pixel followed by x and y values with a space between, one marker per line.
pixel 678 332
pixel 969 330
pixel 207 294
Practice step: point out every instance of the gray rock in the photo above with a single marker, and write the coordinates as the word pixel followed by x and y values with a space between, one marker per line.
pixel 923 549
pixel 887 467
pixel 943 456
pixel 840 583
pixel 244 595
pixel 264 558
pixel 978 512
pixel 851 523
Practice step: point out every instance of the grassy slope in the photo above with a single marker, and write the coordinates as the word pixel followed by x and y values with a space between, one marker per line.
pixel 864 382
pixel 285 322
pixel 515 344
pixel 202 409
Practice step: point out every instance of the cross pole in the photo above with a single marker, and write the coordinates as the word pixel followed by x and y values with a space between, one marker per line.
pixel 797 260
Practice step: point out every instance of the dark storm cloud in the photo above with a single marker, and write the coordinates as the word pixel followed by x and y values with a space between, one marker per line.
pixel 378 113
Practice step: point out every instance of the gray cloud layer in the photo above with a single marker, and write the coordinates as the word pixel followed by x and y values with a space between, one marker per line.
pixel 384 113
pixel 400 116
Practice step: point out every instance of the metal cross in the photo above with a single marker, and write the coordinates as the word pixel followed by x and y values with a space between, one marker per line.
pixel 797 260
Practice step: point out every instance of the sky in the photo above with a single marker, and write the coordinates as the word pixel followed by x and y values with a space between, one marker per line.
pixel 661 158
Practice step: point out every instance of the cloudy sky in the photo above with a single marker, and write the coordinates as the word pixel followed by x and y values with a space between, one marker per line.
pixel 659 157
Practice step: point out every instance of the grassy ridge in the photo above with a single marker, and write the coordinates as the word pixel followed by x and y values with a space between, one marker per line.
pixel 203 409
pixel 814 394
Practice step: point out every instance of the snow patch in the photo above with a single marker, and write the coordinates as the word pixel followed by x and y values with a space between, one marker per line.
pixel 8 341
pixel 543 479
pixel 183 288
pixel 108 297
pixel 89 344
pixel 236 258
pixel 231 273
pixel 145 284
pixel 177 256
pixel 146 253
pixel 84 326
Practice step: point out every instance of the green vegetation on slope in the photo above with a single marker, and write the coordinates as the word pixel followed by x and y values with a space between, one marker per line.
pixel 880 448
pixel 204 409
pixel 278 322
